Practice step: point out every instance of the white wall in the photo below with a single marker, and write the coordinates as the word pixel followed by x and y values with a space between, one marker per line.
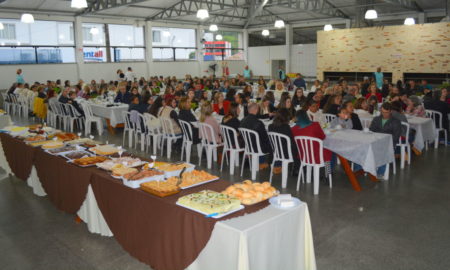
pixel 107 71
pixel 303 58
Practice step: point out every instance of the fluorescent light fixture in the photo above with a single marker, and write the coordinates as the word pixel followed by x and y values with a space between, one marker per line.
pixel 202 14
pixel 279 24
pixel 219 37
pixel 94 31
pixel 166 33
pixel 27 18
pixel 265 32
pixel 327 27
pixel 371 14
pixel 78 4
pixel 213 28
pixel 1 26
pixel 409 21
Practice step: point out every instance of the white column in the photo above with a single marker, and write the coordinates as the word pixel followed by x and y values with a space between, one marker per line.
pixel 148 39
pixel 289 41
pixel 245 44
pixel 79 57
pixel 199 52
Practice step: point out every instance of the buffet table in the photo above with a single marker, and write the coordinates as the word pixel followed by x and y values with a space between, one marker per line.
pixel 158 232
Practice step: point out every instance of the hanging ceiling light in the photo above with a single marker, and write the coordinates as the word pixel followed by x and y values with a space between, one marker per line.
pixel 94 31
pixel 1 26
pixel 279 23
pixel 327 27
pixel 78 4
pixel 371 14
pixel 409 21
pixel 213 28
pixel 27 18
pixel 202 14
pixel 265 32
pixel 219 37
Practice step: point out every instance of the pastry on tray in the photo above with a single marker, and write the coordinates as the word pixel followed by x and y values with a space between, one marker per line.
pixel 104 150
pixel 192 178
pixel 126 161
pixel 62 149
pixel 86 161
pixel 251 192
pixel 36 138
pixel 121 170
pixel 77 154
pixel 52 144
pixel 65 136
pixel 169 167
pixel 141 175
pixel 210 202
pixel 39 143
pixel 160 188
pixel 88 141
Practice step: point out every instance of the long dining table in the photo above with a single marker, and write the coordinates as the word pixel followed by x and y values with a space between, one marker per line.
pixel 155 230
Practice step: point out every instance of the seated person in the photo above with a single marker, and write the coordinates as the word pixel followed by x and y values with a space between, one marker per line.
pixel 186 114
pixel 136 105
pixel 123 96
pixel 266 109
pixel 362 108
pixel 231 120
pixel 252 122
pixel 207 118
pixel 221 106
pixel 64 98
pixel 343 119
pixel 73 96
pixel 356 122
pixel 315 114
pixel 333 104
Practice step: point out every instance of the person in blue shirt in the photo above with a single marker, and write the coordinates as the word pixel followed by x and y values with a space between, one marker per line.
pixel 378 78
pixel 19 76
pixel 299 82
pixel 247 73
pixel 123 96
pixel 281 74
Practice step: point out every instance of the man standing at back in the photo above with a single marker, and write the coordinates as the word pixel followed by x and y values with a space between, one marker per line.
pixel 378 78
pixel 129 75
pixel 299 82
pixel 247 73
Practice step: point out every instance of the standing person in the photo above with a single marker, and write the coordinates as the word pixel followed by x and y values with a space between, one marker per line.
pixel 19 76
pixel 247 73
pixel 129 75
pixel 378 78
pixel 281 73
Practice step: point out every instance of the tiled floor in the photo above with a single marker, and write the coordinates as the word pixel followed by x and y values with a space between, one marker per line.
pixel 399 224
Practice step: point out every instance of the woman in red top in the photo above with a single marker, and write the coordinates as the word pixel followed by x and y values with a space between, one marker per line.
pixel 373 91
pixel 304 127
pixel 221 106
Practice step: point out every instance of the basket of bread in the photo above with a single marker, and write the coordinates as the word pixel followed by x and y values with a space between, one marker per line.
pixel 249 192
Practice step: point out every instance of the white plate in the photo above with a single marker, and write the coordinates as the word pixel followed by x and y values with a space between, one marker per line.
pixel 201 183
pixel 217 216
pixel 86 154
pixel 177 172
pixel 137 183
pixel 273 202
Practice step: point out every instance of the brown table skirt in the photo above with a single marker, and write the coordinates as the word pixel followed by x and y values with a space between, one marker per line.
pixel 20 156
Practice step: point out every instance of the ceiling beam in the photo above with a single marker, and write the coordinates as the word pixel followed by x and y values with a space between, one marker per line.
pixel 321 7
pixel 102 5
pixel 408 4
pixel 255 12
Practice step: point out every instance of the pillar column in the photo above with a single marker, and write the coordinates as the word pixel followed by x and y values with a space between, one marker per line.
pixel 148 39
pixel 289 41
pixel 78 36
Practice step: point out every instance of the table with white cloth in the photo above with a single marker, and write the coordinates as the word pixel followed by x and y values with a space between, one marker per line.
pixel 112 114
pixel 368 149
pixel 270 238
pixel 424 128
pixel 5 120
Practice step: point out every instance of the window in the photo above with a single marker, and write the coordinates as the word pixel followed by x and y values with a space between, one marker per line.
pixel 228 48
pixel 127 43
pixel 173 44
pixel 87 36
pixel 93 34
pixel 37 43
pixel 8 32
pixel 156 35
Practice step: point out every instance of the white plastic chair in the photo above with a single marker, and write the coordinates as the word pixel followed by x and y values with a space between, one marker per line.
pixel 153 132
pixel 305 146
pixel 277 141
pixel 15 104
pixel 90 118
pixel 188 141
pixel 405 147
pixel 435 115
pixel 7 105
pixel 24 107
pixel 72 116
pixel 229 135
pixel 139 131
pixel 168 135
pixel 210 146
pixel 128 128
pixel 252 152
pixel 329 117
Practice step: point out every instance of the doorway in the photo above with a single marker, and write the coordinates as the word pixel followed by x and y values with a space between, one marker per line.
pixel 276 64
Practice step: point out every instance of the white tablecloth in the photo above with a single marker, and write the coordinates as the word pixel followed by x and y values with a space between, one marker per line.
pixel 425 130
pixel 3 162
pixel 370 150
pixel 266 240
pixel 5 120
pixel 35 184
pixel 114 113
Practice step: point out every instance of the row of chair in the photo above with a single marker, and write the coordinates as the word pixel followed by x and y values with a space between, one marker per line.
pixel 17 104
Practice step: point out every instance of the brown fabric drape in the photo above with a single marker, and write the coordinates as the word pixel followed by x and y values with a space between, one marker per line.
pixel 19 155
